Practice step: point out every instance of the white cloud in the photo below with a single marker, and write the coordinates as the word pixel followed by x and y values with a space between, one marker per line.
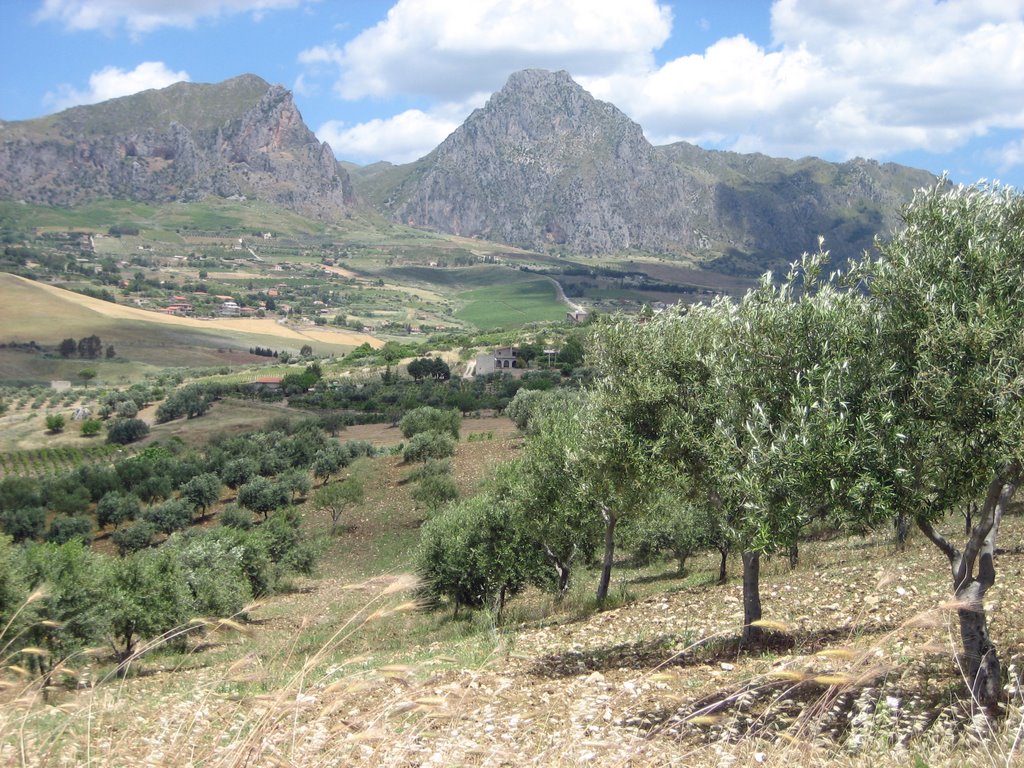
pixel 111 82
pixel 448 49
pixel 1010 156
pixel 403 138
pixel 873 78
pixel 141 16
pixel 840 78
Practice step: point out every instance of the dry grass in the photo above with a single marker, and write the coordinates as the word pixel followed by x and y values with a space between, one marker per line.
pixel 860 669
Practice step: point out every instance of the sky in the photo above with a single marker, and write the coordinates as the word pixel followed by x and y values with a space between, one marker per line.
pixel 935 84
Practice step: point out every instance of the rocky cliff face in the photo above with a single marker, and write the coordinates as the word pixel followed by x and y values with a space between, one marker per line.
pixel 545 164
pixel 242 137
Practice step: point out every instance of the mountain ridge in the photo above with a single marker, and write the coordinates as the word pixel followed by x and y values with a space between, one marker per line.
pixel 239 138
pixel 543 165
pixel 547 165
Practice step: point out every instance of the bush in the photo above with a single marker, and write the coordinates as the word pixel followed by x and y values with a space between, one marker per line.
pixel 133 538
pixel 429 445
pixel 434 491
pixel 235 517
pixel 146 595
pixel 169 516
pixel 429 419
pixel 23 524
pixel 64 529
pixel 55 422
pixel 116 508
pixel 125 431
pixel 91 427
pixel 214 574
pixel 471 554
pixel 262 496
pixel 71 602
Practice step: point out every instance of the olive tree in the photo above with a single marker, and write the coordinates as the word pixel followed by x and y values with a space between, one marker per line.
pixel 263 496
pixel 728 395
pixel 338 497
pixel 472 553
pixel 201 491
pixel 70 577
pixel 145 596
pixel 116 507
pixel 430 419
pixel 541 487
pixel 948 291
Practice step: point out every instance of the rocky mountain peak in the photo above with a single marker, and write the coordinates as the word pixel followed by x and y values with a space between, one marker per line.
pixel 545 164
pixel 242 137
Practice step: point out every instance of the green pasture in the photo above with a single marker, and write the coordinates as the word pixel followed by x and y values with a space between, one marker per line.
pixel 511 304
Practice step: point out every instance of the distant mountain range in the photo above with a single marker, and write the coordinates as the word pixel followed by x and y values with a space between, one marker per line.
pixel 543 165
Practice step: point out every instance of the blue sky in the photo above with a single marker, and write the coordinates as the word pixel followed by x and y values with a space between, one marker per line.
pixel 937 84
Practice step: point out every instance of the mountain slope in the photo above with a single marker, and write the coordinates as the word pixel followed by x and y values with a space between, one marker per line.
pixel 242 137
pixel 545 164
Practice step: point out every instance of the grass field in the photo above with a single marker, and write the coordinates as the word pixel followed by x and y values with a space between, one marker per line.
pixel 511 304
pixel 33 311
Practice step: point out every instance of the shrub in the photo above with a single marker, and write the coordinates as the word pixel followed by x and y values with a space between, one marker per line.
pixel 91 427
pixel 55 422
pixel 116 508
pixel 64 529
pixel 125 431
pixel 169 516
pixel 262 496
pixel 429 445
pixel 133 538
pixel 23 524
pixel 235 517
pixel 434 491
pixel 430 419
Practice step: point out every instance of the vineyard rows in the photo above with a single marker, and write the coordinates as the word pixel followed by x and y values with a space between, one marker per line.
pixel 39 462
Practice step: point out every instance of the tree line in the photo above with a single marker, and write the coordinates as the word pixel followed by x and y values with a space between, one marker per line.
pixel 887 394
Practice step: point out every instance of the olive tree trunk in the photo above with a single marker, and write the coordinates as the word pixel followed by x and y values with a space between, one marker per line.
pixel 563 567
pixel 973 572
pixel 751 596
pixel 609 554
pixel 723 550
